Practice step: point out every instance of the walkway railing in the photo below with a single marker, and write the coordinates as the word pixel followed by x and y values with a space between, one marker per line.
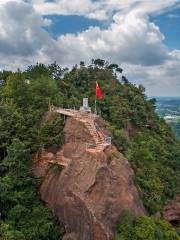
pixel 107 139
pixel 90 119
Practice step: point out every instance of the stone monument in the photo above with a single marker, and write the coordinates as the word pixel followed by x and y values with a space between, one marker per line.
pixel 85 107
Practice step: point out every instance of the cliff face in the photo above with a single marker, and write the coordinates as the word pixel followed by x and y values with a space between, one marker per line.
pixel 88 191
pixel 171 211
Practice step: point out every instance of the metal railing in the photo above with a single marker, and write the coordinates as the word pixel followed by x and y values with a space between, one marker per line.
pixel 91 145
pixel 107 139
pixel 75 113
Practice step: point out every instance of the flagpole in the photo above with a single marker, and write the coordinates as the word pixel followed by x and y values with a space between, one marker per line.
pixel 95 106
pixel 95 110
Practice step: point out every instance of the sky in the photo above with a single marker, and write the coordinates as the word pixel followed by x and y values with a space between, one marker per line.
pixel 143 37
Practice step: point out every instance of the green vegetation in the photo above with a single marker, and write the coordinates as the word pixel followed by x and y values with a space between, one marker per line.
pixel 175 125
pixel 113 156
pixel 138 132
pixel 51 133
pixel 22 215
pixel 144 228
pixel 55 167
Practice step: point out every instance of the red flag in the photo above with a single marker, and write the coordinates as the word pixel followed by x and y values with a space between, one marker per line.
pixel 98 92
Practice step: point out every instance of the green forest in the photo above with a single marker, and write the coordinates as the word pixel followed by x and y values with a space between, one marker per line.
pixel 138 132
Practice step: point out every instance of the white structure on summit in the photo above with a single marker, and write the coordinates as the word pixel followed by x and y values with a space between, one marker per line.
pixel 84 115
pixel 85 106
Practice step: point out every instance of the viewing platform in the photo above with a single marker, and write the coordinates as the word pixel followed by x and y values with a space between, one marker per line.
pixel 84 115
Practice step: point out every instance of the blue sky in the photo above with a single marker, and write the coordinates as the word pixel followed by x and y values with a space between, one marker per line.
pixel 70 24
pixel 169 24
pixel 143 37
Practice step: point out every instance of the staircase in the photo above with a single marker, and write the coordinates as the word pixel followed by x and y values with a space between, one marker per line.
pixel 87 118
pixel 60 160
pixel 97 135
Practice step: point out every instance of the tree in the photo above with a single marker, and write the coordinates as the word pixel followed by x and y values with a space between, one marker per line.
pixel 18 158
pixel 119 70
pixel 82 64
pixel 143 228
pixel 99 63
pixel 125 80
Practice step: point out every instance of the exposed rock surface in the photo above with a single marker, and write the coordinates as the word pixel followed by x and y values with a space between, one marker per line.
pixel 172 211
pixel 91 190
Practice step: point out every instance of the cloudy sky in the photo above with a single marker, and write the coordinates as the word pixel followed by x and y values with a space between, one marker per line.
pixel 141 36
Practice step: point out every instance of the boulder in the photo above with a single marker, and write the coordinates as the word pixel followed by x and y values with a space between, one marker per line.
pixel 171 211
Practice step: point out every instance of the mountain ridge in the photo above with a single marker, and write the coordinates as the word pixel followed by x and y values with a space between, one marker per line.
pixel 137 132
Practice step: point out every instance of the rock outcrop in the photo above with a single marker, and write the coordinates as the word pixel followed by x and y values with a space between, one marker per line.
pixel 86 190
pixel 171 211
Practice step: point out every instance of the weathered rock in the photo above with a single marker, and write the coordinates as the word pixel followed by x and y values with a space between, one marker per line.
pixel 93 189
pixel 171 211
pixel 70 236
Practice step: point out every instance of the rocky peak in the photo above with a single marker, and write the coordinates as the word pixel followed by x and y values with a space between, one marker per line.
pixel 87 190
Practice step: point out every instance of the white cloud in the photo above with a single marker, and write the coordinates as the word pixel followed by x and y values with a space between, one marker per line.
pixel 21 35
pixel 100 9
pixel 160 80
pixel 75 7
pixel 130 40
pixel 173 15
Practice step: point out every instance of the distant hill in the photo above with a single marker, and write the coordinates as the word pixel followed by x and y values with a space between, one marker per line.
pixel 169 109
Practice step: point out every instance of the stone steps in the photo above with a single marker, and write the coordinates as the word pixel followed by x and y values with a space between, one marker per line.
pixel 88 119
pixel 60 160
pixel 60 163
pixel 95 134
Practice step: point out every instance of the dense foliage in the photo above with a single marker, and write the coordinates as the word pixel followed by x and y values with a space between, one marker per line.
pixel 143 228
pixel 138 132
pixel 22 215
pixel 175 125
